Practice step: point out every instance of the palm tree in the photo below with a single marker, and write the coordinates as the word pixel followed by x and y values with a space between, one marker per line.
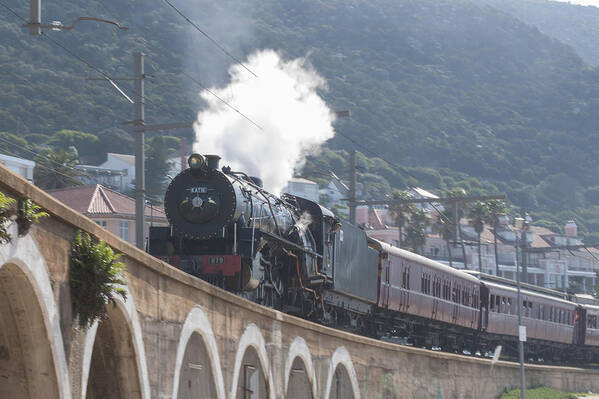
pixel 401 212
pixel 477 214
pixel 416 230
pixel 495 210
pixel 459 193
pixel 445 226
pixel 56 169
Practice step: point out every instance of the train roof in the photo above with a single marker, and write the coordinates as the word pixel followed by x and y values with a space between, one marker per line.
pixel 402 253
pixel 529 293
pixel 590 307
pixel 512 283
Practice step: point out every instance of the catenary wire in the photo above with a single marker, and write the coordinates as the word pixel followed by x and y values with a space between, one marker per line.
pixel 220 47
pixel 156 69
pixel 75 180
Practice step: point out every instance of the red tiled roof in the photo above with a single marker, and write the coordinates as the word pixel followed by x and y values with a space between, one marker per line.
pixel 537 240
pixel 99 200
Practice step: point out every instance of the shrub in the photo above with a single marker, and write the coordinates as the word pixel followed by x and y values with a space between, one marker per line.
pixel 5 214
pixel 28 212
pixel 95 278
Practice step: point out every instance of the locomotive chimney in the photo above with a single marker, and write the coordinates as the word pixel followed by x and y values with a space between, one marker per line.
pixel 212 161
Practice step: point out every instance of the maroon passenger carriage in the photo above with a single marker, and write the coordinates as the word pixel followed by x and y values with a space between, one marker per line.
pixel 433 304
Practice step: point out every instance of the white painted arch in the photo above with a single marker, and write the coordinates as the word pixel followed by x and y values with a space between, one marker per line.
pixel 197 321
pixel 342 357
pixel 129 312
pixel 24 253
pixel 252 337
pixel 300 349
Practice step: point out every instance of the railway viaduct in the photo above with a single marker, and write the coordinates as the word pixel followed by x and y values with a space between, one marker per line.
pixel 177 336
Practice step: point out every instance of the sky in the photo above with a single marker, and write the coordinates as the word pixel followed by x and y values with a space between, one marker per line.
pixel 583 2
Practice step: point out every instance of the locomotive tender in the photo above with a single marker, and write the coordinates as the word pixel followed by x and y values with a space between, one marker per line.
pixel 294 255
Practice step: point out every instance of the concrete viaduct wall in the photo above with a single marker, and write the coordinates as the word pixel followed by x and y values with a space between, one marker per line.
pixel 176 336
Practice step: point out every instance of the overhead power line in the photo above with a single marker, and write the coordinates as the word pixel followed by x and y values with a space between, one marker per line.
pixel 220 99
pixel 79 58
pixel 37 164
pixel 220 47
pixel 196 81
pixel 38 155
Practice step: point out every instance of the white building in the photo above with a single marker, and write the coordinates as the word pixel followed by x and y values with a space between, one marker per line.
pixel 302 188
pixel 124 163
pixel 20 166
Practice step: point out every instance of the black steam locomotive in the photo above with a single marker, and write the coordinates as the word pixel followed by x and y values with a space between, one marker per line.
pixel 278 251
pixel 291 254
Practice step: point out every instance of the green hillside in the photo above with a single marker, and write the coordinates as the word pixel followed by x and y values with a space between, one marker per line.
pixel 572 24
pixel 455 92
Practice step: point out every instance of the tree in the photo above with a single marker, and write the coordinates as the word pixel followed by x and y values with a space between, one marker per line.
pixel 56 169
pixel 158 150
pixel 495 210
pixel 416 230
pixel 477 214
pixel 13 145
pixel 459 193
pixel 446 228
pixel 401 212
pixel 116 140
pixel 85 143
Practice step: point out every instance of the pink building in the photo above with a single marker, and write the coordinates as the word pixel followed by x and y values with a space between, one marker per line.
pixel 110 209
pixel 558 261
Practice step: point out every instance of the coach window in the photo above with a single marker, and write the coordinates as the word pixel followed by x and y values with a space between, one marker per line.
pixel 569 317
pixel 510 309
pixel 492 303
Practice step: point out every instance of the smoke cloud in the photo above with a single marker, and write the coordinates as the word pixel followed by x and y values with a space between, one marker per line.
pixel 283 100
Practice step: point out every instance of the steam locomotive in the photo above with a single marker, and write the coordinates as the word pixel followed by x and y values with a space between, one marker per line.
pixel 294 255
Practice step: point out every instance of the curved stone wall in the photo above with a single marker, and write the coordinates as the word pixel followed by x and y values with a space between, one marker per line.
pixel 180 334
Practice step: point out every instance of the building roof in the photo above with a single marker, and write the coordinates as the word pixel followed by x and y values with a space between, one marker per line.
pixel 99 200
pixel 129 159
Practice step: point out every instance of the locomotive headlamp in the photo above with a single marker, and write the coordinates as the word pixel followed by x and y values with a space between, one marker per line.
pixel 196 161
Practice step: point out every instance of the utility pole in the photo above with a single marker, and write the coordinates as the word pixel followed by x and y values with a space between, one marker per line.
pixel 35 17
pixel 352 187
pixel 521 328
pixel 138 131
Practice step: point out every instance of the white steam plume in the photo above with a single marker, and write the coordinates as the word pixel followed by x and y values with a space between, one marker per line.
pixel 284 101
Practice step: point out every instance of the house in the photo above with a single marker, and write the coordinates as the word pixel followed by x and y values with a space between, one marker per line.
pixel 558 261
pixel 123 162
pixel 116 179
pixel 20 166
pixel 110 209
